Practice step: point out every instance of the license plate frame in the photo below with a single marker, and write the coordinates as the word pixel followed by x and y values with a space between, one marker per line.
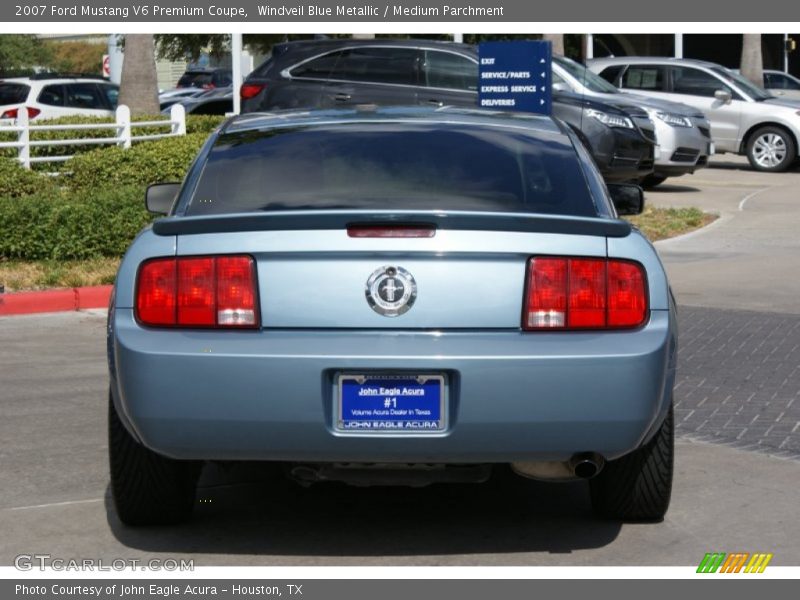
pixel 434 398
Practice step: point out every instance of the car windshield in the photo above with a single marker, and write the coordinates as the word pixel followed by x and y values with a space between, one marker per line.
pixel 588 79
pixel 749 88
pixel 13 93
pixel 379 165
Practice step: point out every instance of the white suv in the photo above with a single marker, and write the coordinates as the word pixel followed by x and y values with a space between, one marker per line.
pixel 744 118
pixel 50 97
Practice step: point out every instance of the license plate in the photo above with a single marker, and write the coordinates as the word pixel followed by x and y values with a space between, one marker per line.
pixel 390 403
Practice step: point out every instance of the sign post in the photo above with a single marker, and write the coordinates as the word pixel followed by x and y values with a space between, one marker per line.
pixel 515 76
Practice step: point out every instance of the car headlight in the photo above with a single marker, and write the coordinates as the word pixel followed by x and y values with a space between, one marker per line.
pixel 610 120
pixel 674 120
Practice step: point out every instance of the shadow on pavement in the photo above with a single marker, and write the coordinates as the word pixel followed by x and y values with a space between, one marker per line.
pixel 671 188
pixel 244 511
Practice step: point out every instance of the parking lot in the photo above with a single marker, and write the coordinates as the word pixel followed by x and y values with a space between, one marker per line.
pixel 737 409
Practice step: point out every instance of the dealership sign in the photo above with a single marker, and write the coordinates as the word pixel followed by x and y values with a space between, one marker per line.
pixel 515 76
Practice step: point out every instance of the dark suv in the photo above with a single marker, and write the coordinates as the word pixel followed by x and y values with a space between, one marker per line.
pixel 346 72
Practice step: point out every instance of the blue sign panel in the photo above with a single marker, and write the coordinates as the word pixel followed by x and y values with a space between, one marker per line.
pixel 515 76
pixel 391 403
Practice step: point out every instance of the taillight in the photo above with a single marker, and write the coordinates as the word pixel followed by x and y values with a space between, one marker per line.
pixel 197 291
pixel 13 113
pixel 584 293
pixel 391 231
pixel 250 90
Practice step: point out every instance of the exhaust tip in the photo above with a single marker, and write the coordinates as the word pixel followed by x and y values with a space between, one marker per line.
pixel 586 465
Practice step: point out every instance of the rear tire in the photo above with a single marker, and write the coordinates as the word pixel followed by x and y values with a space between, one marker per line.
pixel 771 149
pixel 637 486
pixel 147 488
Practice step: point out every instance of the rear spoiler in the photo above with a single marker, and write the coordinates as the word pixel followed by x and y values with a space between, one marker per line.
pixel 341 219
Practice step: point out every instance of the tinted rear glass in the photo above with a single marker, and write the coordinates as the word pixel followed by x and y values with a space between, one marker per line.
pixel 196 79
pixel 13 93
pixel 392 166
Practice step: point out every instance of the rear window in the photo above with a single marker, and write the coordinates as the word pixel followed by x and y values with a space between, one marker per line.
pixel 195 79
pixel 392 166
pixel 13 93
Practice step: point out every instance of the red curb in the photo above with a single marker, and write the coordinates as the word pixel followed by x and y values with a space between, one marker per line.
pixel 23 303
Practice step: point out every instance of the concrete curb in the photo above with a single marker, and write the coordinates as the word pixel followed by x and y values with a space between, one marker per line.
pixel 68 299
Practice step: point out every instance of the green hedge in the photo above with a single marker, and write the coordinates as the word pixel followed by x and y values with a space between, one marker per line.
pixel 71 226
pixel 16 181
pixel 143 164
pixel 204 124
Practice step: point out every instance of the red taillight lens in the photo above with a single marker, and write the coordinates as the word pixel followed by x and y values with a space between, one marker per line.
pixel 584 293
pixel 196 292
pixel 156 295
pixel 547 294
pixel 13 113
pixel 236 294
pixel 205 291
pixel 250 90
pixel 627 302
pixel 587 293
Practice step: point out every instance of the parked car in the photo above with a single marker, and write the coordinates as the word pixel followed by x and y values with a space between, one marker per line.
pixel 170 97
pixel 392 296
pixel 683 133
pixel 780 84
pixel 346 72
pixel 218 101
pixel 206 79
pixel 49 96
pixel 744 118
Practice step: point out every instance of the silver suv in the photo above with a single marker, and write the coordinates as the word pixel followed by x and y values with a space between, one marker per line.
pixel 744 118
pixel 683 133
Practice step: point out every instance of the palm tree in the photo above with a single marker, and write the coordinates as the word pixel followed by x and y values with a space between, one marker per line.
pixel 557 40
pixel 139 84
pixel 752 63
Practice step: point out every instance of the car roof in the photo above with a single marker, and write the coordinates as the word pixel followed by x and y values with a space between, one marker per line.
pixel 332 43
pixel 450 115
pixel 43 82
pixel 635 60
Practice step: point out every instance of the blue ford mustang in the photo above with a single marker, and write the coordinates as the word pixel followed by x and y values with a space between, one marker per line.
pixel 392 296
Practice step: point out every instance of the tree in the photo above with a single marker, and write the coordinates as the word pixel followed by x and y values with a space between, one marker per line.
pixel 22 53
pixel 76 57
pixel 139 84
pixel 557 40
pixel 752 63
pixel 182 46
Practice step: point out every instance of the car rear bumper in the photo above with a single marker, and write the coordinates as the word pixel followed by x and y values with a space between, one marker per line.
pixel 269 395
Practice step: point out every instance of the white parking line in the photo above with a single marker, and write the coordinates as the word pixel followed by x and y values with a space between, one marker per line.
pixel 54 504
pixel 752 195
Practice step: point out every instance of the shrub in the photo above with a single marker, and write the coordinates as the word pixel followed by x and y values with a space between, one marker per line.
pixel 17 181
pixel 143 164
pixel 71 225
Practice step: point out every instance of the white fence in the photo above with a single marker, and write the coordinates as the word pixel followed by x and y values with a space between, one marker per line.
pixel 122 129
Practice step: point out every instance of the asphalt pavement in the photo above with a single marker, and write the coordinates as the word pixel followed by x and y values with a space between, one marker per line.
pixel 738 450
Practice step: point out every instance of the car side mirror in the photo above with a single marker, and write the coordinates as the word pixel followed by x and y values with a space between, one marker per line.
pixel 628 198
pixel 160 197
pixel 723 96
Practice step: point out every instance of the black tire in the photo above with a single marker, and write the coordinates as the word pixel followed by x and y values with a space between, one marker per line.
pixel 784 149
pixel 637 486
pixel 147 488
pixel 651 181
